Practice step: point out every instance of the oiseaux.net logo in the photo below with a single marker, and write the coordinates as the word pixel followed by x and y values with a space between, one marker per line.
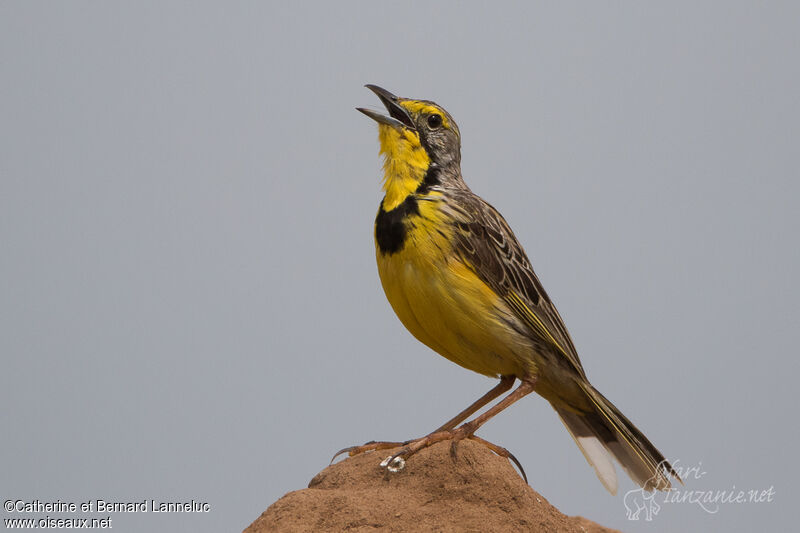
pixel 641 504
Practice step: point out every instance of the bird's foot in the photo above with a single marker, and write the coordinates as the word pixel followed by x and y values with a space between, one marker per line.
pixel 396 462
pixel 370 446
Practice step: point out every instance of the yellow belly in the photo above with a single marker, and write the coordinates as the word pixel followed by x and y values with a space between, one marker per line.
pixel 444 304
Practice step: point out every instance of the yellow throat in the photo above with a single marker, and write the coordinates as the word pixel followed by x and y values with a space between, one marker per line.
pixel 405 163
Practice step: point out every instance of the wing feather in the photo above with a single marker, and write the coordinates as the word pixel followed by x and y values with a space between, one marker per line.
pixel 485 241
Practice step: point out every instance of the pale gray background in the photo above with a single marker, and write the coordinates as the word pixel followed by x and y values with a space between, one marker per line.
pixel 189 306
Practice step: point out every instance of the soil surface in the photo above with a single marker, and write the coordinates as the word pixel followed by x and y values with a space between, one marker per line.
pixel 472 490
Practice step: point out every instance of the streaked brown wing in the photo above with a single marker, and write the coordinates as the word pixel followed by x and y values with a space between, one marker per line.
pixel 485 241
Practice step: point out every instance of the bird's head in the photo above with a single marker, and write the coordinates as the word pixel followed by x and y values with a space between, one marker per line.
pixel 416 136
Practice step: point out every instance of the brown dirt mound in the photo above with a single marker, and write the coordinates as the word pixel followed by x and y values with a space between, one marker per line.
pixel 473 490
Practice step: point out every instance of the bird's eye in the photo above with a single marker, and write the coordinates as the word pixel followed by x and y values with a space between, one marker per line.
pixel 434 121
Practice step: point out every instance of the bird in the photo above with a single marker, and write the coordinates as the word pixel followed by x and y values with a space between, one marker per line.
pixel 460 282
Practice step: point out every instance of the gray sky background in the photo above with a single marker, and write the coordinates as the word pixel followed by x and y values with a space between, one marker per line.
pixel 189 305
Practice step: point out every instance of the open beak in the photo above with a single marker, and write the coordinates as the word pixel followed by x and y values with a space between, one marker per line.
pixel 398 116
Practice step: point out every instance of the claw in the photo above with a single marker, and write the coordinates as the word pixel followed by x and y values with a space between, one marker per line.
pixel 395 459
pixel 340 452
pixel 502 452
pixel 367 447
pixel 454 450
pixel 519 467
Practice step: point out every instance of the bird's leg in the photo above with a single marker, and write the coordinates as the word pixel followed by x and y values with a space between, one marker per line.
pixel 505 383
pixel 468 428
pixel 464 431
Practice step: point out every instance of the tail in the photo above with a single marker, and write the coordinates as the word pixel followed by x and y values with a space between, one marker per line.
pixel 604 433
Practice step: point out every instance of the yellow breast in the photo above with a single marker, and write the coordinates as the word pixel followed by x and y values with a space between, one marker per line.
pixel 444 304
